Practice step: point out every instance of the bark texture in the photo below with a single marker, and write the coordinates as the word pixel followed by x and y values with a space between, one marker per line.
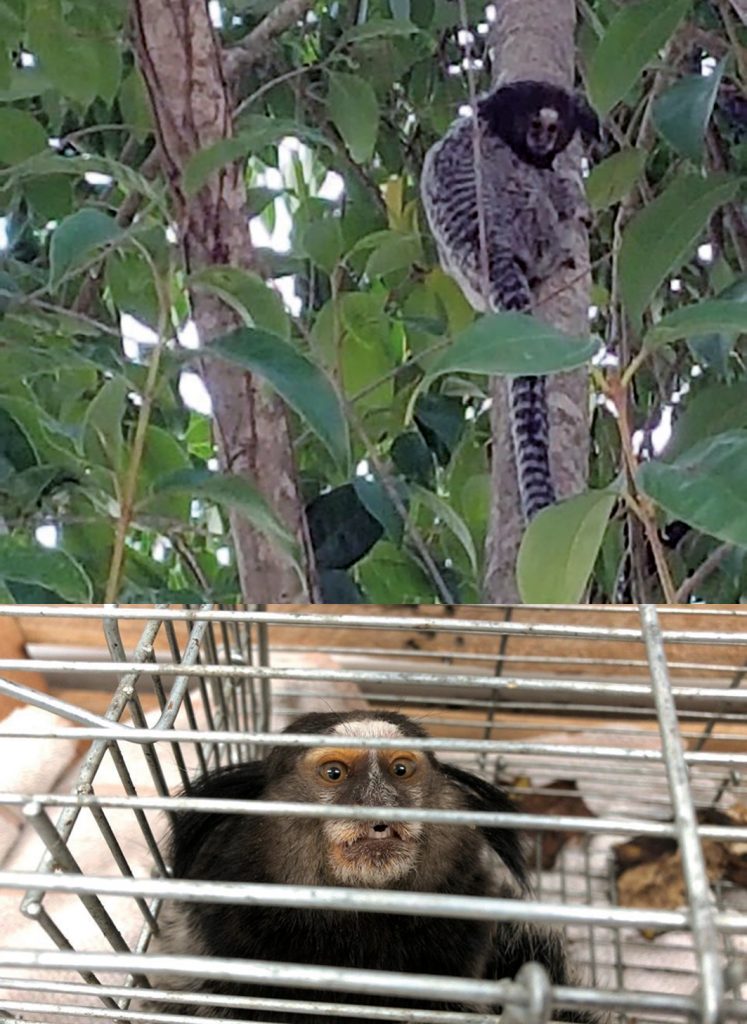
pixel 534 39
pixel 180 59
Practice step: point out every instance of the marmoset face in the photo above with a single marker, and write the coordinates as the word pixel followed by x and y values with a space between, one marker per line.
pixel 375 851
pixel 542 131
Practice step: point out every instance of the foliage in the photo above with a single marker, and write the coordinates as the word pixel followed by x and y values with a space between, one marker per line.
pixel 383 364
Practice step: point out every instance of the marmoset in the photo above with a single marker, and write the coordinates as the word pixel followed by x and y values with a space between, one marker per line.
pixel 529 211
pixel 375 853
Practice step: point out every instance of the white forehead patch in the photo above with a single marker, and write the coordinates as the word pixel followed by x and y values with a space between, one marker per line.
pixel 368 728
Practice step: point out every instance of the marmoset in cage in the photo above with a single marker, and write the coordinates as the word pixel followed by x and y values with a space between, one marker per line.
pixel 423 857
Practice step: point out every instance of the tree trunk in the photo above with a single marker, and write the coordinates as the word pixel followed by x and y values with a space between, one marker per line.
pixel 180 59
pixel 534 39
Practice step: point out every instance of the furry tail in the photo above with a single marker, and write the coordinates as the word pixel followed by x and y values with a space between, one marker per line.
pixel 530 429
pixel 530 425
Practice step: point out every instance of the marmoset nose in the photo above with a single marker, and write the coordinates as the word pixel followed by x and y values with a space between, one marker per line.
pixel 380 826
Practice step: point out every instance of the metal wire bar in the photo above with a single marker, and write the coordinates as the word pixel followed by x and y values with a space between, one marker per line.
pixel 369 901
pixel 144 736
pixel 497 819
pixel 93 759
pixel 705 933
pixel 727 698
pixel 429 987
pixel 532 729
pixel 393 623
pixel 350 980
pixel 386 1013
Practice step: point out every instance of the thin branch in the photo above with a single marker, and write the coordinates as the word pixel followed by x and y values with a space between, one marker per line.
pixel 639 503
pixel 702 572
pixel 253 48
pixel 286 77
pixel 129 489
pixel 188 558
pixel 125 216
pixel 740 6
pixel 444 593
pixel 731 32
pixel 482 230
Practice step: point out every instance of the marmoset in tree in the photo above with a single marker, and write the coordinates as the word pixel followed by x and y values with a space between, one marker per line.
pixel 529 209
pixel 376 853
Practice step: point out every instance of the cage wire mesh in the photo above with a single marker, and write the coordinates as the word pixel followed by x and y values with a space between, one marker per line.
pixel 620 733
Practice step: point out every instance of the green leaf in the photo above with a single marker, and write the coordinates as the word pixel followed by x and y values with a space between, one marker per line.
pixel 206 161
pixel 337 587
pixel 53 569
pixel 441 422
pixel 682 113
pixel 50 196
pixel 458 311
pixel 515 344
pixel 76 238
pixel 612 179
pixel 377 27
pixel 102 427
pixel 633 38
pixel 354 110
pixel 232 492
pixel 296 379
pixel 129 277
pixel 199 437
pixel 714 349
pixel 322 242
pixel 712 410
pixel 134 104
pixel 367 353
pixel 10 293
pixel 659 238
pixel 413 458
pixel 378 502
pixel 400 9
pixel 254 300
pixel 559 549
pixel 69 59
pixel 41 431
pixel 16 450
pixel 442 510
pixel 25 83
pixel 341 528
pixel 396 252
pixel 109 58
pixel 162 456
pixel 391 576
pixel 256 133
pixel 706 486
pixel 21 136
pixel 709 315
pixel 11 18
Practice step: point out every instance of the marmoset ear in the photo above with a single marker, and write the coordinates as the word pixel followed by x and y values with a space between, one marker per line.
pixel 587 121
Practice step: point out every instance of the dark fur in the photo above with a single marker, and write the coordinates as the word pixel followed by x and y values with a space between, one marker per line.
pixel 530 211
pixel 257 849
pixel 508 110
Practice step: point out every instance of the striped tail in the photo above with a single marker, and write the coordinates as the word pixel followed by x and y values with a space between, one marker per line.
pixel 530 429
pixel 530 425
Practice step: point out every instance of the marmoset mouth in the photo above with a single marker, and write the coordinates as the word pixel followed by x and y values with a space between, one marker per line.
pixel 379 841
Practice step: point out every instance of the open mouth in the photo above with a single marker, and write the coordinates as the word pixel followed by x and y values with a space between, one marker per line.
pixel 379 842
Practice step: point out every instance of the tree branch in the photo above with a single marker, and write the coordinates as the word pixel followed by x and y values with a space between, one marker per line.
pixel 180 60
pixel 702 572
pixel 253 48
pixel 535 39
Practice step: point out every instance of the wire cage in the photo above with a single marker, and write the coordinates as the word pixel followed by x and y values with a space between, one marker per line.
pixel 621 735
